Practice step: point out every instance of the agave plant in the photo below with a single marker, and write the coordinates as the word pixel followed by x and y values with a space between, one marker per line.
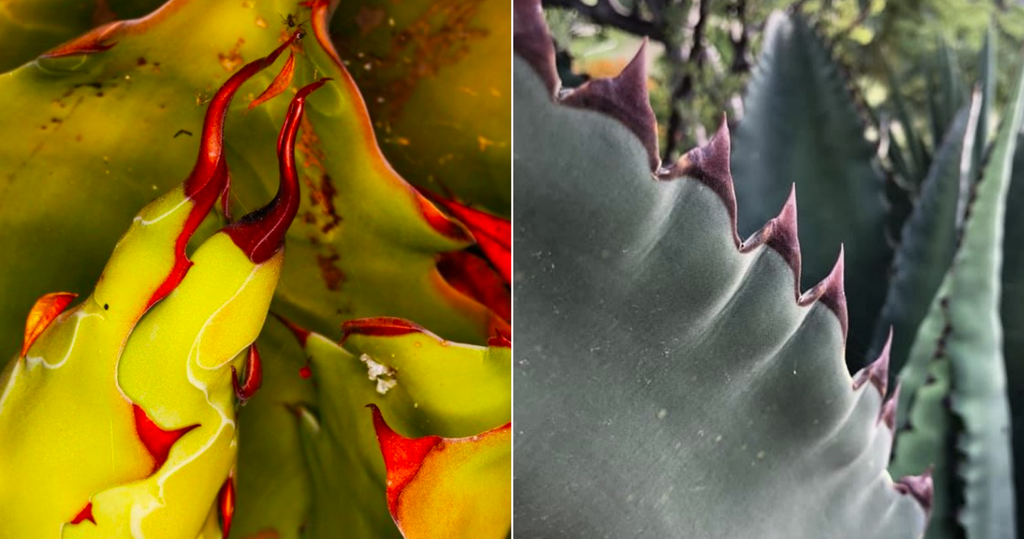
pixel 122 413
pixel 680 382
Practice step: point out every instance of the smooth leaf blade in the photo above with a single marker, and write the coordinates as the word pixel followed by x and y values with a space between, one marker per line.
pixel 970 429
pixel 927 244
pixel 1012 312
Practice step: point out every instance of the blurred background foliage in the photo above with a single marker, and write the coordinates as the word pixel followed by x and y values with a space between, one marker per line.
pixel 703 52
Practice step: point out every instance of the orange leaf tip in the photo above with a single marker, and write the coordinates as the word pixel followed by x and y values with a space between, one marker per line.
pixel 42 314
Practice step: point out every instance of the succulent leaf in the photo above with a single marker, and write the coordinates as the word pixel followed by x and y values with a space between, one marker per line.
pixel 443 487
pixel 927 244
pixel 84 135
pixel 1012 313
pixel 947 93
pixel 493 234
pixel 121 412
pixel 692 357
pixel 426 385
pixel 955 381
pixel 910 160
pixel 437 83
pixel 988 81
pixel 801 126
pixel 30 27
pixel 366 243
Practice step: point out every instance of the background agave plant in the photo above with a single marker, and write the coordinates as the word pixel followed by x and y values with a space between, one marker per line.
pixel 107 114
pixel 680 378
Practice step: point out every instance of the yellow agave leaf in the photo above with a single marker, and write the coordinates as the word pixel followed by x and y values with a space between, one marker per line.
pixel 437 80
pixel 118 417
pixel 459 488
pixel 426 386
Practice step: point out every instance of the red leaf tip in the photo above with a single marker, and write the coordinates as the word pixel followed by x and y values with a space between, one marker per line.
pixel 260 234
pixel 157 440
pixel 42 314
pixel 492 233
pixel 84 514
pixel 208 180
pixel 301 334
pixel 383 326
pixel 253 378
pixel 226 505
pixel 403 456
pixel 500 339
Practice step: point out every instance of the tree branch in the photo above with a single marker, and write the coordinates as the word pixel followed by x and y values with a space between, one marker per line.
pixel 684 88
pixel 605 14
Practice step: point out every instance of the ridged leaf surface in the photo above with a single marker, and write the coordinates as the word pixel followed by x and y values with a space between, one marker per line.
pixel 670 384
pixel 801 126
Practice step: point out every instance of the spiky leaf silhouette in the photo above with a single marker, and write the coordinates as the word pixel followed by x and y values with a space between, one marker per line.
pixel 677 383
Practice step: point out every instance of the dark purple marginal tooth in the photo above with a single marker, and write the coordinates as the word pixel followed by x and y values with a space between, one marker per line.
pixel 888 414
pixel 709 164
pixel 624 98
pixel 830 293
pixel 878 371
pixel 532 42
pixel 918 486
pixel 780 234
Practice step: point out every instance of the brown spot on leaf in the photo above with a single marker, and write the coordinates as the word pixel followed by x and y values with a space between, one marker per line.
pixel 232 59
pixel 439 37
pixel 329 270
pixel 321 193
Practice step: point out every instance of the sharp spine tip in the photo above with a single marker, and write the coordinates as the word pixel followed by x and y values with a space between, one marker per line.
pixel 709 164
pixel 226 505
pixel 831 292
pixel 625 98
pixel 261 233
pixel 878 371
pixel 383 326
pixel 918 486
pixel 301 334
pixel 780 234
pixel 532 42
pixel 253 377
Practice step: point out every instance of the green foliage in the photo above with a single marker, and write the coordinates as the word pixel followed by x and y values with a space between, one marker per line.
pixel 802 127
pixel 920 158
pixel 954 384
pixel 677 380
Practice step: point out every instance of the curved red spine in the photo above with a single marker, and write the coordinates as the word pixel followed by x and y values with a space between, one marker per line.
pixel 260 234
pixel 209 177
pixel 253 377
